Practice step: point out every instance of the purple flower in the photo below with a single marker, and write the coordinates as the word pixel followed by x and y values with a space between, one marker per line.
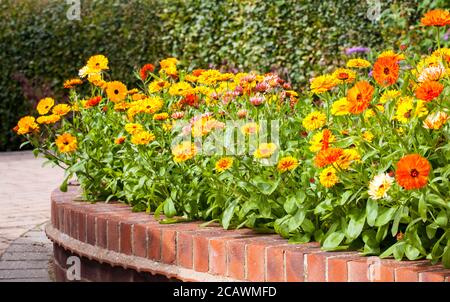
pixel 370 73
pixel 356 49
pixel 447 34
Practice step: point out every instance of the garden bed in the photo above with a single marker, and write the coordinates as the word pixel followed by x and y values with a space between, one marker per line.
pixel 118 245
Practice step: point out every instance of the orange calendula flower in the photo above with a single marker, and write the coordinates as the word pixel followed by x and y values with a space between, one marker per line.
pixel 323 83
pixel 120 140
pixel 184 151
pixel 61 109
pixel 146 70
pixel 45 105
pixel 314 120
pixel 66 143
pixel 142 138
pixel 265 150
pixel 161 116
pixel 429 90
pixel 359 97
pixel 321 140
pixel 327 157
pixel 436 17
pixel 116 91
pixel 69 84
pixel 412 171
pixel 287 164
pixel 385 71
pixel 92 102
pixel 328 177
pixel 224 164
pixel 344 75
pixel 27 124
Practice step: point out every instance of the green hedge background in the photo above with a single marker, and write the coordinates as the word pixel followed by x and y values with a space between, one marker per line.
pixel 40 47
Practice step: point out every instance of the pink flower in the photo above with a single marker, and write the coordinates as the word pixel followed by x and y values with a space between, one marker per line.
pixel 242 113
pixel 256 100
pixel 177 115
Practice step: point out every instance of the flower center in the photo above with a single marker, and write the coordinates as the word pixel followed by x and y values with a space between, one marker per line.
pixel 386 71
pixel 414 173
pixel 116 91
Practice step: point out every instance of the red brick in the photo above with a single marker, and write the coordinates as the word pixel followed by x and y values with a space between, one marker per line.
pixel 201 252
pixel 406 274
pixel 73 224
pixel 153 243
pixel 315 267
pixel 140 240
pixel 274 264
pixel 438 275
pixel 60 222
pixel 113 235
pixel 218 256
pixel 337 269
pixel 53 214
pixel 256 254
pixel 101 232
pixel 81 226
pixel 236 259
pixel 358 270
pixel 90 229
pixel 168 246
pixel 66 228
pixel 126 230
pixel 184 249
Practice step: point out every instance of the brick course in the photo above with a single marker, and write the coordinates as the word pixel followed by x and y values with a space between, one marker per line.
pixel 240 255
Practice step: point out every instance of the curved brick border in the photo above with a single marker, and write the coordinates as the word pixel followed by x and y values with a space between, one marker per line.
pixel 111 233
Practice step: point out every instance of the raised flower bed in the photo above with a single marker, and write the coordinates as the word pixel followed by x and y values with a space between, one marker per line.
pixel 359 162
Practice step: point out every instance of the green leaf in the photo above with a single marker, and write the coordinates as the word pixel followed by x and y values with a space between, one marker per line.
pixel 266 187
pixel 371 211
pixel 333 240
pixel 63 186
pixel 169 208
pixel 386 215
pixel 422 208
pixel 356 225
pixel 228 214
pixel 296 221
pixel 442 219
pixel 446 257
pixel 411 252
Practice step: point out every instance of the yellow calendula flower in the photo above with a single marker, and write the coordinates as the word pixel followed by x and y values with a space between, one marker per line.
pixel 167 63
pixel 27 124
pixel 181 89
pixel 161 116
pixel 167 126
pixel 340 107
pixel 368 114
pixel 97 63
pixel 408 107
pixel 184 151
pixel 224 164
pixel 348 157
pixel 368 136
pixel 314 120
pixel 116 91
pixel 210 77
pixel 344 75
pixel 265 150
pixel 328 177
pixel 61 109
pixel 389 95
pixel 321 140
pixel 443 53
pixel 157 86
pixel 121 106
pixel 288 163
pixel 358 63
pixel 142 138
pixel 250 128
pixel 48 119
pixel 45 105
pixel 66 143
pixel 391 54
pixel 133 128
pixel 323 83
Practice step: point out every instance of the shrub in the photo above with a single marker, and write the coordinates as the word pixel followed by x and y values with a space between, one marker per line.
pixel 360 162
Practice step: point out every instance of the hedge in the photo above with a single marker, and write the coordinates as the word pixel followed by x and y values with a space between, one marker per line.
pixel 40 47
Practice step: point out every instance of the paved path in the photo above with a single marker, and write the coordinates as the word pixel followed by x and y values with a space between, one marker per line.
pixel 25 188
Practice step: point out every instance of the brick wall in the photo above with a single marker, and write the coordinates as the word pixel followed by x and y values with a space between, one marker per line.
pixel 111 233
